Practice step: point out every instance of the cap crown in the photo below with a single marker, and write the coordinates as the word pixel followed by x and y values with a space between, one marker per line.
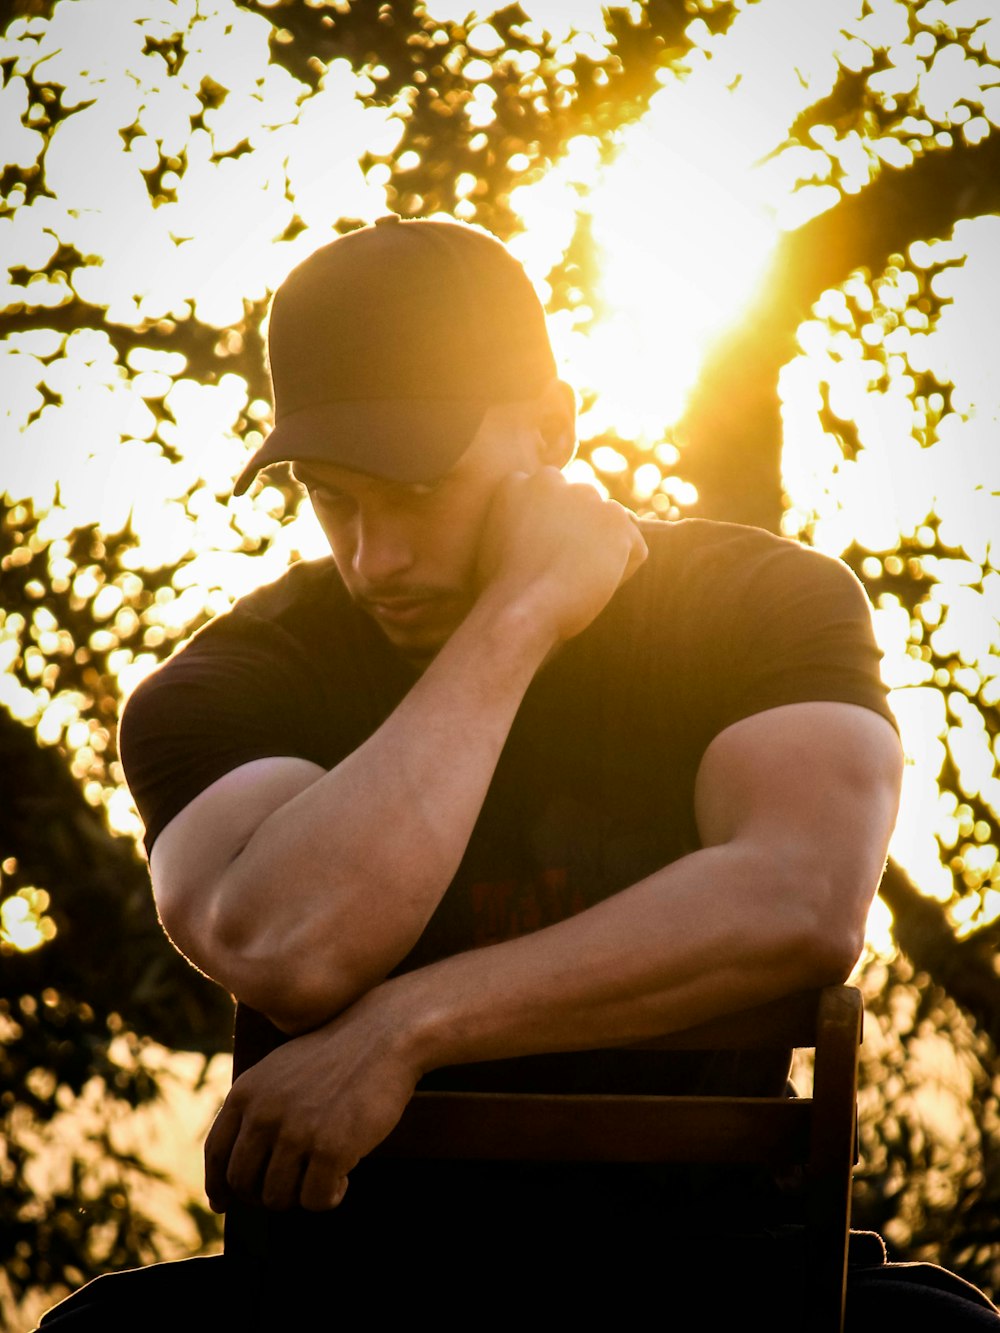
pixel 407 310
pixel 387 346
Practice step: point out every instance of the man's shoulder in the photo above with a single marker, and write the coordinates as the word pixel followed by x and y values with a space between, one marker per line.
pixel 307 591
pixel 248 685
pixel 719 602
pixel 713 539
pixel 692 558
pixel 277 629
pixel 295 611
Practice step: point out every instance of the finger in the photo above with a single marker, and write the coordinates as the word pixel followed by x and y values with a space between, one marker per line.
pixel 218 1147
pixel 283 1179
pixel 249 1160
pixel 638 550
pixel 322 1185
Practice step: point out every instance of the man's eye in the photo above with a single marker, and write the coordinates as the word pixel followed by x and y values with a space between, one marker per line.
pixel 418 490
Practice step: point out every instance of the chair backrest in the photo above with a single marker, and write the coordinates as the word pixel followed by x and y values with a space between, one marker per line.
pixel 817 1133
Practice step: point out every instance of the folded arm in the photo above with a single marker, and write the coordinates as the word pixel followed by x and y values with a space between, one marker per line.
pixel 298 889
pixel 795 807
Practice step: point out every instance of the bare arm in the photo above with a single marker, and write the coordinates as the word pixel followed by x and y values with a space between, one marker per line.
pixel 299 890
pixel 795 808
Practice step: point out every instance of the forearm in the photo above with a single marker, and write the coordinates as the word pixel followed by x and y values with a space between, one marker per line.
pixel 776 901
pixel 299 890
pixel 360 858
pixel 715 932
pixel 655 959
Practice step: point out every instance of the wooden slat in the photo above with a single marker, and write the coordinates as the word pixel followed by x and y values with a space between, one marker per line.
pixel 778 1131
pixel 832 1143
pixel 567 1128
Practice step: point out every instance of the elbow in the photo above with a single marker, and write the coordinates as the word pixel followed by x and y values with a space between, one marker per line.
pixel 829 958
pixel 294 1020
pixel 279 971
pixel 300 987
pixel 294 994
pixel 301 1007
pixel 824 917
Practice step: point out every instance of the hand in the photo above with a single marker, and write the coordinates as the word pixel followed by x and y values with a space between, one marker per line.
pixel 295 1124
pixel 557 548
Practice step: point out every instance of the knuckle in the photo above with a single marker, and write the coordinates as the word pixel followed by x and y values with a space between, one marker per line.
pixel 275 1196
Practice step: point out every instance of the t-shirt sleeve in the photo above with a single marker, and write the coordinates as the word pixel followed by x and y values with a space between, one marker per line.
pixel 239 691
pixel 799 630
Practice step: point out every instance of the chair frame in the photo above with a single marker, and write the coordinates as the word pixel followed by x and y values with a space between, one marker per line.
pixel 818 1133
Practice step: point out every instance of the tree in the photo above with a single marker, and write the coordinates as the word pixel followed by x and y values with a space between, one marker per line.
pixel 133 319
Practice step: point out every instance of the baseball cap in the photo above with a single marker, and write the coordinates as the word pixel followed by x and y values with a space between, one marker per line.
pixel 388 345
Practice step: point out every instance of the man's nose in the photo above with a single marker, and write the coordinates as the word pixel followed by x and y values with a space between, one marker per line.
pixel 382 549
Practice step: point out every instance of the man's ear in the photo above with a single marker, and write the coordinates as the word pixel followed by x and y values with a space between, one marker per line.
pixel 557 423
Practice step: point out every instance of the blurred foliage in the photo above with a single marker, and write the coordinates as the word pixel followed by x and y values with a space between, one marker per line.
pixel 68 1205
pixel 929 1119
pixel 159 183
pixel 507 121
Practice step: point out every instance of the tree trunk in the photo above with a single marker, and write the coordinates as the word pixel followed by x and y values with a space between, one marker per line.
pixel 731 430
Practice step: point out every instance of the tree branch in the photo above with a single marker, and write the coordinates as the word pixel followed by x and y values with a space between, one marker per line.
pixel 965 969
pixel 732 428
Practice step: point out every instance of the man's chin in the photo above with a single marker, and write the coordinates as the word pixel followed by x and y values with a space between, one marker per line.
pixel 416 631
pixel 418 643
pixel 418 650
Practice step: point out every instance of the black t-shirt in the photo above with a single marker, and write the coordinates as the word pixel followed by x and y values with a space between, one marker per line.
pixel 593 791
pixel 594 788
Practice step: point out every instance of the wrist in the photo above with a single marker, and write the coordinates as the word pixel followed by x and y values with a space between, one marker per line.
pixel 517 623
pixel 417 1023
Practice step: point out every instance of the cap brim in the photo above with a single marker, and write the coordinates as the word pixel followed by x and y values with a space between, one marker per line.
pixel 407 440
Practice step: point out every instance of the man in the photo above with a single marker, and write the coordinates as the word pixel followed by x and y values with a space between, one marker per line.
pixel 509 776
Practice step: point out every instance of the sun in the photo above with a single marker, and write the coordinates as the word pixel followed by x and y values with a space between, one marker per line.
pixel 683 234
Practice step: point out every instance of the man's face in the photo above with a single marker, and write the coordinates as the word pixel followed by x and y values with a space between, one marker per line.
pixel 408 553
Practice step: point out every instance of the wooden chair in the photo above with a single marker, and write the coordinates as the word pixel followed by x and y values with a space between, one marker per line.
pixel 817 1133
